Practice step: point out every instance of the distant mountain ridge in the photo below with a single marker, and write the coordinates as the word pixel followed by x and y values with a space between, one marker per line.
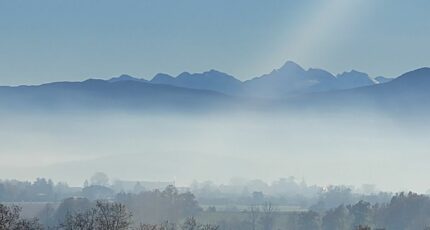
pixel 405 94
pixel 94 94
pixel 125 77
pixel 210 80
pixel 291 86
pixel 289 80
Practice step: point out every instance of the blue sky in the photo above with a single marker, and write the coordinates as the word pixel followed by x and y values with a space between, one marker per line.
pixel 52 40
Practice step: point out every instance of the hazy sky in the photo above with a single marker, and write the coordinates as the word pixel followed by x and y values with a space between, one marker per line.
pixel 322 149
pixel 54 40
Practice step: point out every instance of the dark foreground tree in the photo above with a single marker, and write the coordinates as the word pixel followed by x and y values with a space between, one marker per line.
pixel 10 219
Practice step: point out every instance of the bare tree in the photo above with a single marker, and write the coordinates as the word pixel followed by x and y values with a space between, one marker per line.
pixel 10 219
pixel 253 215
pixel 105 216
pixel 164 226
pixel 112 216
pixel 23 224
pixel 208 227
pixel 363 227
pixel 80 221
pixel 267 218
pixel 191 224
pixel 148 227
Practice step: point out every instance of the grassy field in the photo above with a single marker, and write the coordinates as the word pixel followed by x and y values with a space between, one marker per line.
pixel 228 215
pixel 32 209
pixel 282 220
pixel 241 208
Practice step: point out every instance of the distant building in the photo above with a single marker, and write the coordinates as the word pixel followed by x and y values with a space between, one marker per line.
pixel 138 186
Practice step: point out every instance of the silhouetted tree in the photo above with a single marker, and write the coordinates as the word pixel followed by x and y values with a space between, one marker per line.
pixel 309 221
pixel 407 211
pixel 157 206
pixel 100 178
pixel 337 219
pixel 70 206
pixel 362 213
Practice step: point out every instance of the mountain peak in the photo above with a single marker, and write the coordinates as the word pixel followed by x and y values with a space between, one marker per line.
pixel 290 65
pixel 210 80
pixel 124 77
pixel 353 79
pixel 217 74
pixel 183 75
pixel 162 78
pixel 352 73
pixel 289 68
pixel 213 71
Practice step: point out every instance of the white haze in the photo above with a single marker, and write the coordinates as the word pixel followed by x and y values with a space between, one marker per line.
pixel 351 149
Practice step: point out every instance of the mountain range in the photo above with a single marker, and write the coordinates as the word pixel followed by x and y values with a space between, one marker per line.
pixel 291 86
pixel 407 95
pixel 289 80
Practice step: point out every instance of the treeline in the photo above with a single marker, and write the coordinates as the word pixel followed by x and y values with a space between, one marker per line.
pixel 285 192
pixel 149 207
pixel 41 190
pixel 156 206
pixel 404 211
pixel 103 216
pixel 334 196
pixel 45 190
pixel 170 210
